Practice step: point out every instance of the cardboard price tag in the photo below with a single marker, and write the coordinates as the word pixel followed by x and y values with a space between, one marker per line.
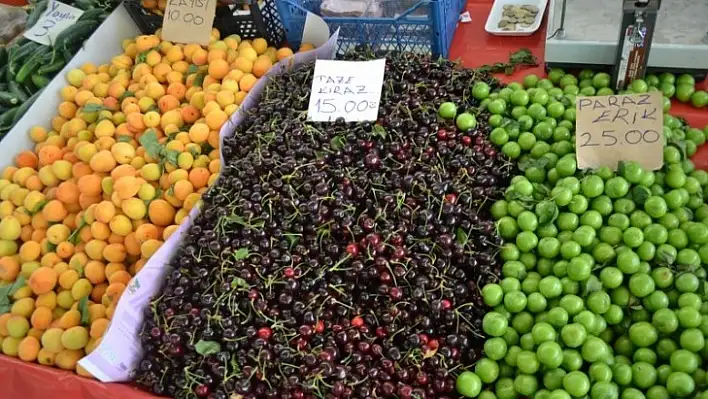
pixel 52 22
pixel 189 21
pixel 610 129
pixel 347 89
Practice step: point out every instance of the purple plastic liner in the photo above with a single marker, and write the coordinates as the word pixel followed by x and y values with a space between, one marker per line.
pixel 117 356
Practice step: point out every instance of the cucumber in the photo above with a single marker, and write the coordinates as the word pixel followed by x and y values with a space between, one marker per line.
pixel 21 53
pixel 84 5
pixel 53 67
pixel 37 12
pixel 25 106
pixel 9 99
pixel 93 14
pixel 17 90
pixel 3 56
pixel 7 118
pixel 30 66
pixel 75 34
pixel 40 80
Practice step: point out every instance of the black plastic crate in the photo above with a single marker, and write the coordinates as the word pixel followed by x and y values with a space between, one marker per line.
pixel 262 21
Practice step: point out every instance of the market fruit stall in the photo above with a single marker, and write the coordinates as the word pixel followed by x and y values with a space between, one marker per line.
pixel 452 247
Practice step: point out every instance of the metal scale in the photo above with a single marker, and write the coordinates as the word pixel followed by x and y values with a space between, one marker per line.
pixel 619 34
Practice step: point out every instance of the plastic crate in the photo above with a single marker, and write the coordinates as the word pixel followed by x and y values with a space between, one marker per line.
pixel 423 26
pixel 262 21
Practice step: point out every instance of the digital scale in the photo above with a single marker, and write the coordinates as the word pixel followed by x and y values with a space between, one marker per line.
pixel 628 36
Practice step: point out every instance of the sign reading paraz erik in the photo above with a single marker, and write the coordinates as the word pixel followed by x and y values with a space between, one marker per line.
pixel 189 21
pixel 347 89
pixel 53 21
pixel 610 129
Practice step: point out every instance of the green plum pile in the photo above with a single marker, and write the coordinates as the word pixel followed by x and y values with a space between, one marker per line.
pixel 682 88
pixel 603 291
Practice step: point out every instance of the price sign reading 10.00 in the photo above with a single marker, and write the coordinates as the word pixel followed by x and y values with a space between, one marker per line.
pixel 189 21
pixel 611 129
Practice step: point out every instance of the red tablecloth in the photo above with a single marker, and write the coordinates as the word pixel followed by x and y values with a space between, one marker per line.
pixel 471 44
pixel 29 381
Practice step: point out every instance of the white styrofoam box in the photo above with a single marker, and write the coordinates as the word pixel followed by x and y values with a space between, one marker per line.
pixel 495 15
pixel 100 48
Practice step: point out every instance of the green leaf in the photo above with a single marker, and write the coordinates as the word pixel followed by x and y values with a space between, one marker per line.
pixel 124 138
pixel 19 283
pixel 234 365
pixel 142 57
pixel 239 283
pixel 540 163
pixel 125 95
pixel 640 194
pixel 541 189
pixel 337 143
pixel 292 238
pixel 461 236
pixel 151 143
pixel 171 156
pixel 83 309
pixel 207 348
pixel 513 195
pixel 665 258
pixel 199 80
pixel 241 253
pixel 379 131
pixel 38 208
pixel 192 69
pixel 546 212
pixel 592 284
pixel 93 108
pixel 7 291
pixel 74 237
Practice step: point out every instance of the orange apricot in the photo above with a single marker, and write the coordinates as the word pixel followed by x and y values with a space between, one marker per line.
pixel 43 280
pixel 199 177
pixel 9 268
pixel 68 192
pixel 41 317
pixel 161 213
pixel 54 211
pixel 27 159
pixel 102 161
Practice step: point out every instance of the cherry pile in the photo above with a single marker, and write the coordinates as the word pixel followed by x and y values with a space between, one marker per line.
pixel 335 260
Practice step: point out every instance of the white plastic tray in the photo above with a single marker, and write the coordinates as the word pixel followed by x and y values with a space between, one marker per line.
pixel 495 17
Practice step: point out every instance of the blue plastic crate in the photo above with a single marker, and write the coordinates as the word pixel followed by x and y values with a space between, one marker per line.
pixel 462 5
pixel 422 26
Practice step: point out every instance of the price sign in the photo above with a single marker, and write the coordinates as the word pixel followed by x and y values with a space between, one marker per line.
pixel 52 22
pixel 610 129
pixel 347 89
pixel 189 21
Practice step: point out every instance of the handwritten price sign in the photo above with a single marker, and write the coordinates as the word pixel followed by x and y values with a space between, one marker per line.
pixel 347 89
pixel 189 21
pixel 55 19
pixel 610 129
